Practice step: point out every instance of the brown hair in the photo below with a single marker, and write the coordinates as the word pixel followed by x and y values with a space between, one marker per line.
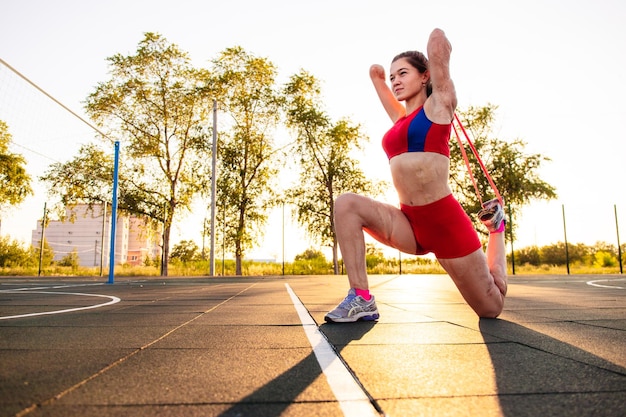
pixel 418 61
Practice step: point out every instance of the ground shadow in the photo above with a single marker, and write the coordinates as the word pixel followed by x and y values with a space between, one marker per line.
pixel 285 388
pixel 539 375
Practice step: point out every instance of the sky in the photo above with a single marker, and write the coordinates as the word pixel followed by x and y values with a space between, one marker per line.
pixel 554 68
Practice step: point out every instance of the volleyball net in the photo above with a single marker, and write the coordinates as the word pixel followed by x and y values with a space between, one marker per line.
pixel 44 131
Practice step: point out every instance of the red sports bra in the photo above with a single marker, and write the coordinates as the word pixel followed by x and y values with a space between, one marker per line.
pixel 415 133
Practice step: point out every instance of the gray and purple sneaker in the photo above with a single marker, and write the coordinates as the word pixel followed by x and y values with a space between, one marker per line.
pixel 353 308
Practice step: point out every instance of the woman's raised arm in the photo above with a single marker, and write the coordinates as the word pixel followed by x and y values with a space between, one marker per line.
pixel 442 103
pixel 392 106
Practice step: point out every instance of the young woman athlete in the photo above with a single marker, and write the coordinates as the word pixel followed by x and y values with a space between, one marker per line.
pixel 429 218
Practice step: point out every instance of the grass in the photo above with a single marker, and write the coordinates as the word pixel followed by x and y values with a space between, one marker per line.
pixel 575 269
pixel 252 268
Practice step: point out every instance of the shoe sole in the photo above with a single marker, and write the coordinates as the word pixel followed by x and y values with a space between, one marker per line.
pixel 367 317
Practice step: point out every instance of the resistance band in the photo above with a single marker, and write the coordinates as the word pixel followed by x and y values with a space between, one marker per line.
pixel 480 162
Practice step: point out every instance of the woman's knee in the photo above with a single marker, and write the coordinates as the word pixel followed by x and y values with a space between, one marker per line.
pixel 347 204
pixel 491 308
pixel 490 312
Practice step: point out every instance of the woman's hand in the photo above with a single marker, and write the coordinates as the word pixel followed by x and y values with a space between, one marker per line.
pixel 377 72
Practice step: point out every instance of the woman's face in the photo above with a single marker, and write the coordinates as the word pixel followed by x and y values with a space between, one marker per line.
pixel 406 81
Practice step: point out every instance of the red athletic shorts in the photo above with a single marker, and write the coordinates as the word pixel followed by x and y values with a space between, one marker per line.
pixel 442 228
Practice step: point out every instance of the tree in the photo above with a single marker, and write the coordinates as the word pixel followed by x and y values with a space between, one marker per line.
pixel 245 88
pixel 515 173
pixel 185 251
pixel 14 181
pixel 326 167
pixel 155 102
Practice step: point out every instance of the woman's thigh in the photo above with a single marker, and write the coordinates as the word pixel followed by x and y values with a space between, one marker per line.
pixel 384 222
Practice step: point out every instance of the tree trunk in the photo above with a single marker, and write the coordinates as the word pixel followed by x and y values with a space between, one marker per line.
pixel 166 249
pixel 238 258
pixel 238 248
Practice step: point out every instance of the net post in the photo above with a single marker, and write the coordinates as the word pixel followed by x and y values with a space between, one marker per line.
pixel 114 214
pixel 213 189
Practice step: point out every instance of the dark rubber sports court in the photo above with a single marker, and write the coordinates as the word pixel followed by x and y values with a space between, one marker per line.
pixel 258 346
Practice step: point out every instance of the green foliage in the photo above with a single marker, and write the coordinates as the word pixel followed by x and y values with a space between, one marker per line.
pixel 71 259
pixel 310 254
pixel 601 255
pixel 373 256
pixel 604 259
pixel 14 254
pixel 529 255
pixel 554 254
pixel 310 262
pixel 410 265
pixel 557 254
pixel 185 251
pixel 84 179
pixel 46 255
pixel 316 266
pixel 14 181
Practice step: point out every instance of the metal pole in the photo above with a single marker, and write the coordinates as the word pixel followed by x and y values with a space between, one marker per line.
pixel 619 248
pixel 283 238
pixel 114 214
pixel 213 188
pixel 565 234
pixel 223 238
pixel 43 232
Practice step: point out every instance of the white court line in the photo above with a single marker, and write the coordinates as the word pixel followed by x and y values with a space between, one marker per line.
pixel 352 400
pixel 113 300
pixel 50 288
pixel 595 283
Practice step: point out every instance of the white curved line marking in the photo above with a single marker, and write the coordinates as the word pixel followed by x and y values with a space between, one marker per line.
pixel 595 284
pixel 113 300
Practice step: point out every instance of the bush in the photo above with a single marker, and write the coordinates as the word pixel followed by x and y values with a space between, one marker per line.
pixel 71 259
pixel 310 254
pixel 604 259
pixel 529 256
pixel 13 254
pixel 315 266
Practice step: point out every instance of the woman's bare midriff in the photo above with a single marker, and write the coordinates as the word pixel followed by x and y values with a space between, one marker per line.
pixel 420 178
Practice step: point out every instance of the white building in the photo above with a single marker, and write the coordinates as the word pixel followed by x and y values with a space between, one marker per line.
pixel 86 231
